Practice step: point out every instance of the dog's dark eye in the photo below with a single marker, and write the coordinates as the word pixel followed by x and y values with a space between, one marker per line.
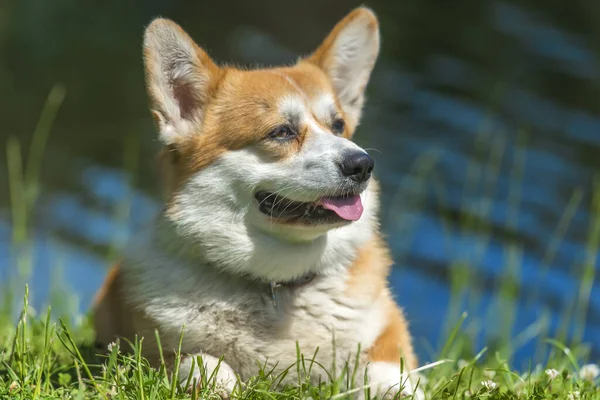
pixel 338 126
pixel 283 132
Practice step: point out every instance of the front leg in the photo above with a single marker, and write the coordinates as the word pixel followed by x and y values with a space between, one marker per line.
pixel 385 373
pixel 224 378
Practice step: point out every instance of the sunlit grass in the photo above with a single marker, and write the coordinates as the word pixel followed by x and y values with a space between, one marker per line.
pixel 42 356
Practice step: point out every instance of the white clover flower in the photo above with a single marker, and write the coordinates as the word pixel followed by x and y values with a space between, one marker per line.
pixel 573 396
pixel 589 372
pixel 552 373
pixel 489 385
pixel 111 346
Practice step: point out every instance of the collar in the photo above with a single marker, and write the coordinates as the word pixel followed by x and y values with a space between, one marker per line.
pixel 301 281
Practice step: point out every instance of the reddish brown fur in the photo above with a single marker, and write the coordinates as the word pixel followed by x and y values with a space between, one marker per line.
pixel 395 341
pixel 115 319
pixel 112 317
pixel 369 278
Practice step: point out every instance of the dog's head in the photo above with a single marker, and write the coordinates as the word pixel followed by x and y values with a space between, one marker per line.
pixel 265 150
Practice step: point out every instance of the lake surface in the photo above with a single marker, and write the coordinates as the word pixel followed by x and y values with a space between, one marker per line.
pixel 483 118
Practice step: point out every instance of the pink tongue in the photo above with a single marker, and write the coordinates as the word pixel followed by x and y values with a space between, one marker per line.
pixel 349 208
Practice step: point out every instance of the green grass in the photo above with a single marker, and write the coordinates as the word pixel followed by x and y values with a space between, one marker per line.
pixel 45 357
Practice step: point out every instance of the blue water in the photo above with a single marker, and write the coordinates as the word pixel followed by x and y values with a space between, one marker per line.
pixel 494 123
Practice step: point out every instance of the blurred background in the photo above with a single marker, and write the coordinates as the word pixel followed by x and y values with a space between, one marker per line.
pixel 483 118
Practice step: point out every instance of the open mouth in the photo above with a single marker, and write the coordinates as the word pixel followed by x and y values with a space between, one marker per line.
pixel 328 209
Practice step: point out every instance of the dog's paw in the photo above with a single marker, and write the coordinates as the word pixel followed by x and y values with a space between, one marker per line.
pixel 386 381
pixel 224 379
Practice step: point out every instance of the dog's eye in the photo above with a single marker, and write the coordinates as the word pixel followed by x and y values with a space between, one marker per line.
pixel 283 132
pixel 338 126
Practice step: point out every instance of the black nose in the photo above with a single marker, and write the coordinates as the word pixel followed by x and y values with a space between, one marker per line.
pixel 357 166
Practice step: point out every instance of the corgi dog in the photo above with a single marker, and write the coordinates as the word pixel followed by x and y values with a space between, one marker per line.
pixel 269 237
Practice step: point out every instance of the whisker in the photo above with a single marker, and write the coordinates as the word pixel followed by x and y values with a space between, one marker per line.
pixel 275 193
pixel 372 149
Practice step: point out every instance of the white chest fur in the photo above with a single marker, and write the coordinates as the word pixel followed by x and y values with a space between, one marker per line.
pixel 236 318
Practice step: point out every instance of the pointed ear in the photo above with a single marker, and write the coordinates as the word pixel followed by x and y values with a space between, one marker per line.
pixel 348 55
pixel 179 76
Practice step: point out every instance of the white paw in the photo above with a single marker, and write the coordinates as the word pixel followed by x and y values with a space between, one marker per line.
pixel 385 380
pixel 224 379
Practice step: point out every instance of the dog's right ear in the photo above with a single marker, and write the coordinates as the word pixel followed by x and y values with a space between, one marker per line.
pixel 179 77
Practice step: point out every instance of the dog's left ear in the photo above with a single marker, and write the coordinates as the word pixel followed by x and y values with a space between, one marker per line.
pixel 347 56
